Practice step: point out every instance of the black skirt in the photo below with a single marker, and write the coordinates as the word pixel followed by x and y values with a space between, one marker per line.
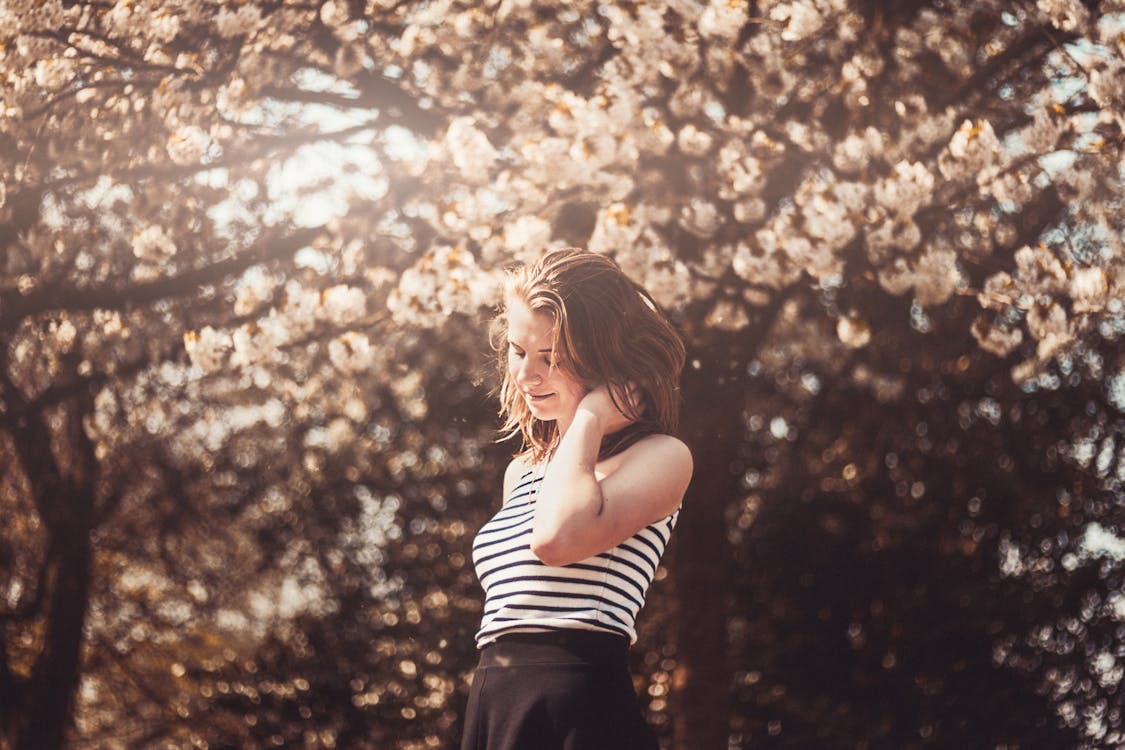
pixel 563 690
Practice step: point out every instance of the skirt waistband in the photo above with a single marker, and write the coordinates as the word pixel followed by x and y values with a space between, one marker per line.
pixel 556 647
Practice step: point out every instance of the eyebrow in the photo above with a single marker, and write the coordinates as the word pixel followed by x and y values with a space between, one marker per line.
pixel 541 351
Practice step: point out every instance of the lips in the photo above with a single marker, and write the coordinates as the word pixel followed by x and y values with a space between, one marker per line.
pixel 536 399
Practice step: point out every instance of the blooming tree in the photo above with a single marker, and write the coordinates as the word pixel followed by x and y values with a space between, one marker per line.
pixel 246 248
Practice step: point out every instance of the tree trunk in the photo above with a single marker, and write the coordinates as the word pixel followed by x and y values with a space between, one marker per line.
pixel 712 426
pixel 49 700
pixel 62 479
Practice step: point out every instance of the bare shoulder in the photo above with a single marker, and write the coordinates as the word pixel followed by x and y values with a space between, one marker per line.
pixel 660 466
pixel 662 450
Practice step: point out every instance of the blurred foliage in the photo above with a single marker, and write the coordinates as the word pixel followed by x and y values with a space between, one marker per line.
pixel 248 251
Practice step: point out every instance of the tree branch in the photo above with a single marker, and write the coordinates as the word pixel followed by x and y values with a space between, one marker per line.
pixel 15 307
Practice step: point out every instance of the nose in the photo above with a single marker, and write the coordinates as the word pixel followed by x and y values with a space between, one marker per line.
pixel 528 373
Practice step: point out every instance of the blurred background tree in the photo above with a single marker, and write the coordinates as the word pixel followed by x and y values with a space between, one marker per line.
pixel 248 253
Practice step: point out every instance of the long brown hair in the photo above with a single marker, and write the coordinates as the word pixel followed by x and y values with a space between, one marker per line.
pixel 607 329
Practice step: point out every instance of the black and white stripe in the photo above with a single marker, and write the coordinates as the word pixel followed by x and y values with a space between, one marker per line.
pixel 522 594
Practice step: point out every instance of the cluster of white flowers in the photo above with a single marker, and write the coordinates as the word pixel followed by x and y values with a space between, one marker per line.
pixel 54 72
pixel 233 98
pixel 352 352
pixel 693 141
pixel 997 339
pixel 857 150
pixel 469 150
pixel 646 50
pixel 1050 326
pixel 741 171
pixel 934 276
pixel 616 227
pixel 973 148
pixel 334 13
pixel 254 288
pixel 907 189
pixel 244 20
pixel 410 395
pixel 526 237
pixel 343 304
pixel 1041 136
pixel 723 19
pixel 445 281
pixel 1107 88
pixel 207 348
pixel 829 210
pixel 853 331
pixel 800 17
pixel 152 244
pixel 188 145
pixel 892 236
pixel 249 347
pixel 158 21
pixel 1089 290
pixel 1067 15
pixel 764 265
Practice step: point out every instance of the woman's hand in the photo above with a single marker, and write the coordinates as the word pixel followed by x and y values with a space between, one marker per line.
pixel 599 403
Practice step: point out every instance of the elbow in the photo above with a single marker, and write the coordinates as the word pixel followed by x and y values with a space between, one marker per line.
pixel 549 550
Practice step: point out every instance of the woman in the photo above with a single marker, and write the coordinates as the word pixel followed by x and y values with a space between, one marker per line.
pixel 590 372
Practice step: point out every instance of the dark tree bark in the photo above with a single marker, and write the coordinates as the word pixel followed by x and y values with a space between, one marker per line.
pixel 713 426
pixel 61 473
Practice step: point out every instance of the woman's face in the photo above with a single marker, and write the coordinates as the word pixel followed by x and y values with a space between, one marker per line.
pixel 550 392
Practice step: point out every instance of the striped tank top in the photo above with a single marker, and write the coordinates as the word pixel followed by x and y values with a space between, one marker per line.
pixel 523 594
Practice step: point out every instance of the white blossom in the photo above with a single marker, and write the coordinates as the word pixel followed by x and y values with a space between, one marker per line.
pixel 1046 320
pixel 298 315
pixel 1038 269
pixel 334 13
pixel 801 19
pixel 906 190
pixel 351 352
pixel 700 217
pixel 445 281
pixel 53 72
pixel 973 148
pixel 890 237
pixel 615 228
pixel 995 339
pixel 722 20
pixel 997 291
pixel 249 346
pixel 857 150
pixel 937 276
pixel 245 20
pixel 207 348
pixel 853 331
pixel 527 236
pixel 1067 15
pixel 153 244
pixel 469 149
pixel 693 141
pixel 741 171
pixel 343 304
pixel 767 266
pixel 188 145
pixel 410 395
pixel 1089 289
